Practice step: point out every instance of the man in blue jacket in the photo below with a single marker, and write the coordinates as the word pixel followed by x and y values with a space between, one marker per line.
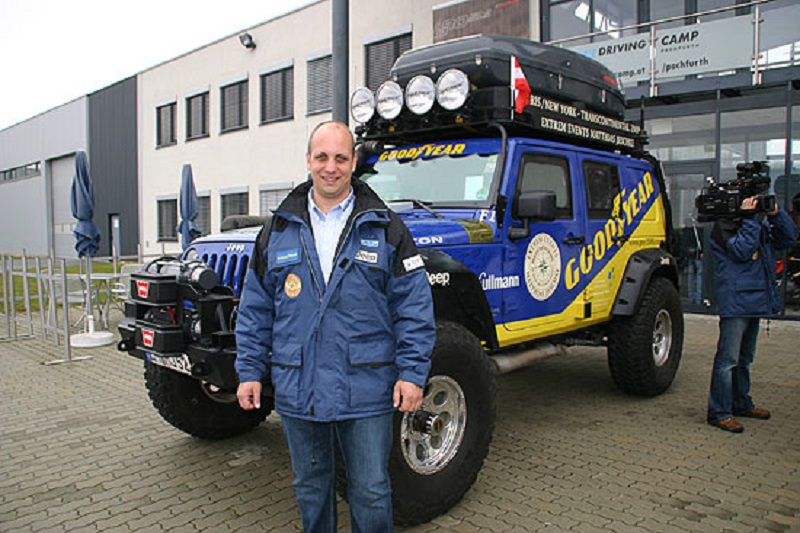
pixel 746 291
pixel 337 311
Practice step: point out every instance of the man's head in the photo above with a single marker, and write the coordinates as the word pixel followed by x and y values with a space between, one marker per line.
pixel 331 160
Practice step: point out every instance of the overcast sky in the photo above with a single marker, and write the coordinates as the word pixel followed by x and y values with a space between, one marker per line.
pixel 53 51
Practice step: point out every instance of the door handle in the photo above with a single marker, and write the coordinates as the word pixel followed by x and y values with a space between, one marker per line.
pixel 573 239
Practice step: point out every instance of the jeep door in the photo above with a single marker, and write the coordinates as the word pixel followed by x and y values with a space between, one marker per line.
pixel 540 302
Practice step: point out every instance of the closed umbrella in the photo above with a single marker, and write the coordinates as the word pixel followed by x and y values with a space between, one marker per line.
pixel 87 236
pixel 189 208
pixel 87 239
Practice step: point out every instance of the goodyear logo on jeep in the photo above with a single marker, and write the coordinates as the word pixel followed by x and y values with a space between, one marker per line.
pixel 425 150
pixel 629 207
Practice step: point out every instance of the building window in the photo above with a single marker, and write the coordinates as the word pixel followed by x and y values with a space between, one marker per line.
pixel 165 125
pixel 270 199
pixel 320 85
pixel 197 116
pixel 381 55
pixel 571 18
pixel 203 220
pixel 683 138
pixel 18 173
pixel 167 220
pixel 234 204
pixel 234 106
pixel 277 95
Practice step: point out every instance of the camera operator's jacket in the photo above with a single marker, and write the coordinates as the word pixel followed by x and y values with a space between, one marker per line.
pixel 335 352
pixel 746 269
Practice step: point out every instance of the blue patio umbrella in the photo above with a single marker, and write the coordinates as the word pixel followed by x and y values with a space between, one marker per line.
pixel 87 236
pixel 189 207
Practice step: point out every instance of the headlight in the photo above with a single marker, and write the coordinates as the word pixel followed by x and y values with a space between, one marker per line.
pixel 362 105
pixel 420 94
pixel 452 89
pixel 390 100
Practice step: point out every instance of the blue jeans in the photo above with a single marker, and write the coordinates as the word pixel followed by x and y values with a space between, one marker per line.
pixel 730 380
pixel 694 272
pixel 365 444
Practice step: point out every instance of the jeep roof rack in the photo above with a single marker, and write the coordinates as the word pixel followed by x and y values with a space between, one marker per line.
pixel 560 95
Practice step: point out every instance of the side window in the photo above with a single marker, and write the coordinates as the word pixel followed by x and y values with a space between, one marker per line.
pixel 602 186
pixel 540 172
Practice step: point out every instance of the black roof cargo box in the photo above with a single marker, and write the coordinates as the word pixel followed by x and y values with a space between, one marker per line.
pixel 550 70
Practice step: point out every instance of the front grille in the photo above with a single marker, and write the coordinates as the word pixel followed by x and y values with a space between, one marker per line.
pixel 230 268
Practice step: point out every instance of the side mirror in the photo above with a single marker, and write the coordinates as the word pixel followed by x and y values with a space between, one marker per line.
pixel 536 205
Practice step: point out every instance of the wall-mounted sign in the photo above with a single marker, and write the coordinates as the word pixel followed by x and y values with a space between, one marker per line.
pixel 470 17
pixel 706 47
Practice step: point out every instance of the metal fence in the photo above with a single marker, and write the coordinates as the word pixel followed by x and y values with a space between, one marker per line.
pixel 46 297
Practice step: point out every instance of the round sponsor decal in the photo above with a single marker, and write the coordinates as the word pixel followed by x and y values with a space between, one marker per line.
pixel 542 266
pixel 292 286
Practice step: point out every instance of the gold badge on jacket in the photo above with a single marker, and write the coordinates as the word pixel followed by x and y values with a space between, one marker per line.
pixel 292 286
pixel 755 256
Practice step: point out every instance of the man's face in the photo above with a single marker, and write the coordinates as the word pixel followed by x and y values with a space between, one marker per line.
pixel 331 163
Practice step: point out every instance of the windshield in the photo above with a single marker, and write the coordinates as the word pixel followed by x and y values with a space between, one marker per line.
pixel 456 173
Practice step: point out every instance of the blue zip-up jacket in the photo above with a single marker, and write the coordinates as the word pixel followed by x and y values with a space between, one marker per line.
pixel 336 352
pixel 745 273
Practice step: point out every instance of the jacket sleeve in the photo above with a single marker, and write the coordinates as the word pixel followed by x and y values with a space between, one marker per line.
pixel 744 243
pixel 411 304
pixel 784 232
pixel 254 328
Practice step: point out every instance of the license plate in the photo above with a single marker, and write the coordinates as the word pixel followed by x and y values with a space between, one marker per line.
pixel 179 363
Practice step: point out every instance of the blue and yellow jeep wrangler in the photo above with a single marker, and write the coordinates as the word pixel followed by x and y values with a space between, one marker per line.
pixel 542 223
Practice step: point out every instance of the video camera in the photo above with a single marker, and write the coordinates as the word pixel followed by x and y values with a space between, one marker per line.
pixel 724 200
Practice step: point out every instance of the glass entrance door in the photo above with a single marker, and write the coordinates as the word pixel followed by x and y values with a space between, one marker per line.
pixel 685 180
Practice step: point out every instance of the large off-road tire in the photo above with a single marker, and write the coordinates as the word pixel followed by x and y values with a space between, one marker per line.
pixel 644 350
pixel 196 408
pixel 431 472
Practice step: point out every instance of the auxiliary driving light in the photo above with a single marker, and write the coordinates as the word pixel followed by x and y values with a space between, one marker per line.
pixel 362 105
pixel 420 94
pixel 452 89
pixel 389 100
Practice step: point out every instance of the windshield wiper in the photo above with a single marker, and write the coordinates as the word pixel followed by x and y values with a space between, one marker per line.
pixel 420 204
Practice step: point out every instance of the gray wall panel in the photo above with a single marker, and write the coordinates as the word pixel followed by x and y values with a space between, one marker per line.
pixel 113 158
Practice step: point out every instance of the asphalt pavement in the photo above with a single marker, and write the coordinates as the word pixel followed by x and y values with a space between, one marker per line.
pixel 82 450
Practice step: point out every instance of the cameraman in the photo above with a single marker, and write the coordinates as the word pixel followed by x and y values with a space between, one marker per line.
pixel 746 290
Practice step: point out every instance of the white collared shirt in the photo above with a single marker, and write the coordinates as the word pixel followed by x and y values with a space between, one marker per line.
pixel 328 229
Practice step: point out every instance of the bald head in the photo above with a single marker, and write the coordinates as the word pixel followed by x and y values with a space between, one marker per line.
pixel 331 125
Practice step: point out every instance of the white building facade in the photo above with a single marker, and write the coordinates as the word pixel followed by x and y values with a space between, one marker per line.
pixel 241 116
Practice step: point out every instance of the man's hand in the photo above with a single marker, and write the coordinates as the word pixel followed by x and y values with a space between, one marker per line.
pixel 749 204
pixel 407 396
pixel 249 395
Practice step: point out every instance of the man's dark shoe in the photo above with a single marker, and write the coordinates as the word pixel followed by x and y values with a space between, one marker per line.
pixel 728 424
pixel 756 412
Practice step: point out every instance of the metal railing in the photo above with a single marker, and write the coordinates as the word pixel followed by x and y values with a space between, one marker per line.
pixel 39 296
pixel 757 63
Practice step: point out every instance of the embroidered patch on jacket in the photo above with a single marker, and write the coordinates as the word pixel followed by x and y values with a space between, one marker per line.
pixel 287 257
pixel 367 257
pixel 292 286
pixel 412 263
pixel 370 243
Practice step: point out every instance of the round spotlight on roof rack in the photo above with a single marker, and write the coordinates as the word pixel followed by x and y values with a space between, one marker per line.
pixel 362 105
pixel 452 89
pixel 420 94
pixel 389 100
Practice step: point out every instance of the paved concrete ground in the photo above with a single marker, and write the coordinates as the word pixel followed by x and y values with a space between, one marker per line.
pixel 81 449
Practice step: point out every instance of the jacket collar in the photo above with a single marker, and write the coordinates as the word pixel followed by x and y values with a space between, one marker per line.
pixel 296 203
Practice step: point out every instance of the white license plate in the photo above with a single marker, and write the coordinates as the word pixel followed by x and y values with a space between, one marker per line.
pixel 179 363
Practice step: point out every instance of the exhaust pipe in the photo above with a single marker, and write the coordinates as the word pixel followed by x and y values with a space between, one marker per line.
pixel 505 363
